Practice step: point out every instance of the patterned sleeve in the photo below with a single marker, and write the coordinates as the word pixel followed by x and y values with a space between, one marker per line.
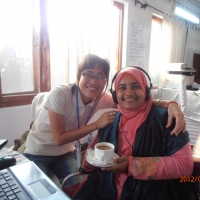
pixel 160 168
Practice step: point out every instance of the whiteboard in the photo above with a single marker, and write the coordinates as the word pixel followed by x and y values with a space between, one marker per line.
pixel 138 44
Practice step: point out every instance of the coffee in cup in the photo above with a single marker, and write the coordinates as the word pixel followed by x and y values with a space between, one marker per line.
pixel 104 151
pixel 103 147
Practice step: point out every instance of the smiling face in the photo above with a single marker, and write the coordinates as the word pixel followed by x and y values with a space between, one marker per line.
pixel 90 87
pixel 129 93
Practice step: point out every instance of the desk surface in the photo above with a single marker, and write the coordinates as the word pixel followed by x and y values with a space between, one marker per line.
pixel 19 157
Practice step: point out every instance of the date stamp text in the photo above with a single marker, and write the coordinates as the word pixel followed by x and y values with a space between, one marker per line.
pixel 189 179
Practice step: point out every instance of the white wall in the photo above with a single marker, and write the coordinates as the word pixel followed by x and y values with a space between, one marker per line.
pixel 135 13
pixel 14 121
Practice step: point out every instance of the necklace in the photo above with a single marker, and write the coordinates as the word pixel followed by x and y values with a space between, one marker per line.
pixel 126 137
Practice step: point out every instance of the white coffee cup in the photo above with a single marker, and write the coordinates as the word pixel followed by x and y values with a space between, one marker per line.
pixel 104 151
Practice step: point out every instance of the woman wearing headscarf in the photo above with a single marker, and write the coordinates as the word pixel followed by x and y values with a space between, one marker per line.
pixel 63 115
pixel 151 159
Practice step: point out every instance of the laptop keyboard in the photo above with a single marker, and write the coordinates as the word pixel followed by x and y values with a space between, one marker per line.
pixel 9 189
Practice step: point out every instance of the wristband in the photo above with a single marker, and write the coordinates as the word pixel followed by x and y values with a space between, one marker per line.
pixel 157 101
pixel 171 102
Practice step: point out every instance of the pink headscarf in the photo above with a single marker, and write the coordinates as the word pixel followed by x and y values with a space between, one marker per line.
pixel 132 120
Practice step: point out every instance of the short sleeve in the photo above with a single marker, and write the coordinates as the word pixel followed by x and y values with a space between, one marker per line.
pixel 57 101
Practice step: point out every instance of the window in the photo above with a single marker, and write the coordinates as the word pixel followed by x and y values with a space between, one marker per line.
pixel 25 52
pixel 19 60
pixel 167 46
pixel 78 28
pixel 155 50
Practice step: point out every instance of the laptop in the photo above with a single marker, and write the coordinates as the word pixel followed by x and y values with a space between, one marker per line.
pixel 3 142
pixel 27 182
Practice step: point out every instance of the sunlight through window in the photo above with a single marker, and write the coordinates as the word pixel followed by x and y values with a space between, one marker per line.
pixel 16 46
pixel 77 28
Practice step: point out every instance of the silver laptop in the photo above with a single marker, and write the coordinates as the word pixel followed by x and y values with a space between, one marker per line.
pixel 27 182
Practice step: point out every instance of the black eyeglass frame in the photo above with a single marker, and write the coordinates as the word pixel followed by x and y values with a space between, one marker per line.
pixel 91 76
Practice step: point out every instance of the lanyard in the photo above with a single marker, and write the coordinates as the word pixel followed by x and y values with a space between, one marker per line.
pixel 77 110
pixel 90 138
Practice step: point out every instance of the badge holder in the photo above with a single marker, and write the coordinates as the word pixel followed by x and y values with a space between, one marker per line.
pixel 78 153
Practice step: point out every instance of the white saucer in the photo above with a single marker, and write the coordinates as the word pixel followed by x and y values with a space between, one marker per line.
pixel 93 161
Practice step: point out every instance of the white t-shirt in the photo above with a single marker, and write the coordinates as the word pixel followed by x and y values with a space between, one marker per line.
pixel 60 100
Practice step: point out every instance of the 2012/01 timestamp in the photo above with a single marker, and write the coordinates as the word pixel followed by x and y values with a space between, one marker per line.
pixel 190 179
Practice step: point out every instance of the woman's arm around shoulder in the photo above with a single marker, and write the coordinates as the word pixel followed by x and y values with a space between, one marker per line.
pixel 173 112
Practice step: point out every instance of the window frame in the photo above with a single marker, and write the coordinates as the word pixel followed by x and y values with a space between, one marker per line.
pixel 121 23
pixel 158 19
pixel 41 61
pixel 41 66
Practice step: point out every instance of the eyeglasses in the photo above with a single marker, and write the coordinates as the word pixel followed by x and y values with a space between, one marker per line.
pixel 91 76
